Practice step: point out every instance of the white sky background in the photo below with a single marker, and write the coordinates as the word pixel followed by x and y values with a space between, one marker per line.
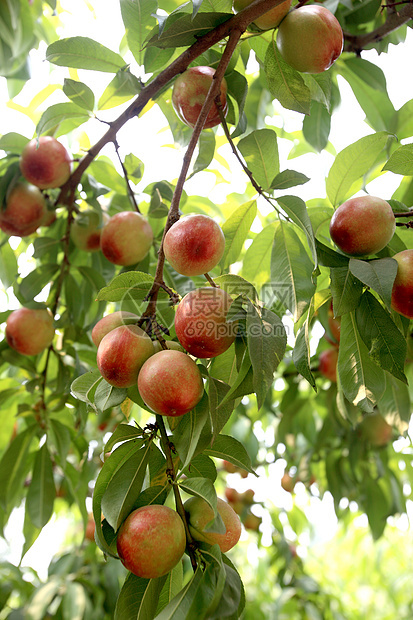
pixel 145 138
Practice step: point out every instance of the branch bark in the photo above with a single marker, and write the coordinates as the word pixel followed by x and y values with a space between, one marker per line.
pixel 395 19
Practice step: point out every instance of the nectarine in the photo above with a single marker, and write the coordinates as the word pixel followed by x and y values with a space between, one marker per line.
pixel 126 238
pixel 200 514
pixel 30 331
pixel 402 292
pixel 45 162
pixel 25 210
pixel 189 93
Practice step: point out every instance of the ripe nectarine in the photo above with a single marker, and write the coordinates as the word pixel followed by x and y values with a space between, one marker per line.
pixel 45 162
pixel 30 331
pixel 25 210
pixel 126 238
pixel 200 514
pixel 189 93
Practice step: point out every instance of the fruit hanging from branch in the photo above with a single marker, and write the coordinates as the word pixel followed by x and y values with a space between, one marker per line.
pixel 402 292
pixel 200 515
pixel 45 162
pixel 30 331
pixel 126 238
pixel 189 92
pixel 271 18
pixel 24 212
pixel 310 39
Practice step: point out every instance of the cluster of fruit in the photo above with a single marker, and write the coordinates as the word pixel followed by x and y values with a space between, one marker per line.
pixel 152 539
pixel 241 503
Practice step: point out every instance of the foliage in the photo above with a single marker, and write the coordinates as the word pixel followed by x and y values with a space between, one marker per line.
pixel 66 431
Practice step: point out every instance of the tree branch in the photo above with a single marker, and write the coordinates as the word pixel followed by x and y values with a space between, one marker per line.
pixel 395 19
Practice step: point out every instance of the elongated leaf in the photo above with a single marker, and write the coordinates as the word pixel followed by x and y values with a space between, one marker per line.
pixel 206 146
pixel 42 492
pixel 316 126
pixel 296 210
pixel 56 114
pixel 193 432
pixel 377 274
pixel 13 465
pixel 361 380
pixel 123 87
pixel 123 432
pixel 236 285
pixel 84 387
pixel 260 151
pixel 288 178
pixel 257 259
pixel 301 352
pixel 138 598
pixel 107 396
pixel 124 487
pixel 220 415
pixel 83 53
pixel 138 19
pixel 285 83
pixel 386 344
pixel 184 30
pixel 179 606
pixel 401 161
pixel 291 271
pixel 395 405
pixel 79 93
pixel 236 230
pixel 346 289
pixel 172 586
pixel 267 341
pixel 13 142
pixel 230 449
pixel 201 466
pixel 37 279
pixel 352 163
pixel 134 284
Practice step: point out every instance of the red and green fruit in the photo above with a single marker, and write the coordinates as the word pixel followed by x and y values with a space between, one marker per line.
pixel 122 353
pixel 194 245
pixel 45 162
pixel 86 230
pixel 201 325
pixel 402 292
pixel 189 93
pixel 30 331
pixel 151 541
pixel 271 18
pixel 327 363
pixel 310 39
pixel 170 383
pixel 362 225
pixel 252 522
pixel 24 212
pixel 126 238
pixel 287 482
pixel 170 344
pixel 375 430
pixel 111 321
pixel 200 514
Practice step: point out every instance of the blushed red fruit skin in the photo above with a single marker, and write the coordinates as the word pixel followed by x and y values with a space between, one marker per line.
pixel 328 364
pixel 194 245
pixel 30 331
pixel 121 354
pixel 271 18
pixel 200 514
pixel 86 234
pixel 25 211
pixel 200 322
pixel 375 430
pixel 287 482
pixel 402 292
pixel 151 541
pixel 189 93
pixel 362 225
pixel 310 39
pixel 334 324
pixel 170 383
pixel 126 238
pixel 111 321
pixel 45 162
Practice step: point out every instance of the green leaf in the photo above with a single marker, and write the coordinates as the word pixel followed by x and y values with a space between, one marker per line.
pixel 178 607
pixel 56 114
pixel 260 152
pixel 84 387
pixel 107 396
pixel 351 164
pixel 346 290
pixel 395 405
pixel 122 88
pixel 301 354
pixel 60 436
pixel 134 284
pixel 105 173
pixel 316 126
pixel 13 465
pixel 201 466
pixel 236 230
pixel 296 210
pixel 285 83
pixel 8 266
pixel 219 413
pixel 193 432
pixel 230 604
pixel 83 53
pixel 377 274
pixel 401 161
pixel 123 432
pixel 138 19
pixel 138 598
pixel 124 487
pixel 291 271
pixel 257 259
pixel 13 142
pixel 267 341
pixel 37 279
pixel 74 601
pixel 79 93
pixel 172 586
pixel 386 344
pixel 134 167
pixel 361 380
pixel 376 505
pixel 288 178
pixel 184 31
pixel 206 151
pixel 230 449
pixel 235 285
pixel 42 492
pixel 201 487
pixel 329 257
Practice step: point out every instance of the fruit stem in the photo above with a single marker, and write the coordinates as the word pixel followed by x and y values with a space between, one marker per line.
pixel 210 280
pixel 166 446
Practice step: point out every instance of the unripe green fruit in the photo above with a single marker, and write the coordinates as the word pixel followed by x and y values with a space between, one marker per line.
pixel 363 225
pixel 310 39
pixel 402 292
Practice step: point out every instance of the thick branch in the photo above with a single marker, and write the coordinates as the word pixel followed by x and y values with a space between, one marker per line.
pixel 395 19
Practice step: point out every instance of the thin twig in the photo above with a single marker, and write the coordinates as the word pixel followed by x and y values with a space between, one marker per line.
pixel 125 174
